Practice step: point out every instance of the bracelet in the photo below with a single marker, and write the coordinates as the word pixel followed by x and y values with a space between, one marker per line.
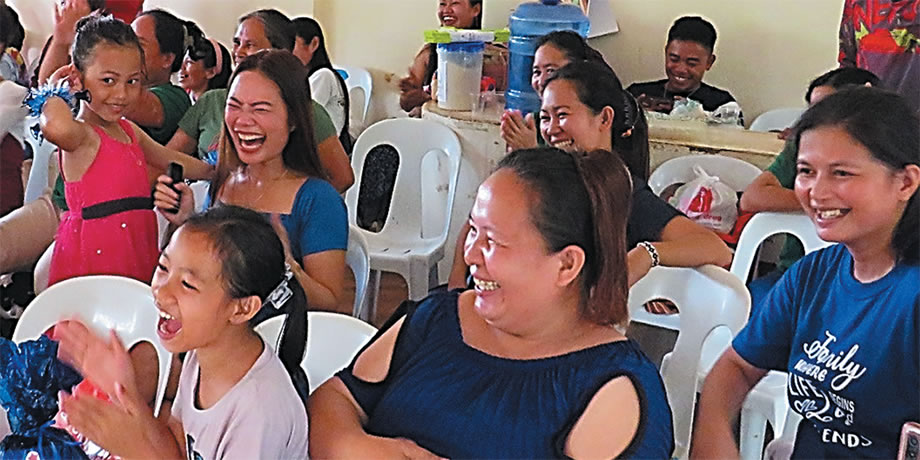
pixel 652 252
pixel 37 97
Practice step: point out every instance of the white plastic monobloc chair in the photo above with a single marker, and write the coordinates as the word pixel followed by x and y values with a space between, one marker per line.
pixel 359 77
pixel 767 400
pixel 401 246
pixel 333 340
pixel 358 259
pixel 709 299
pixel 776 119
pixel 735 173
pixel 42 152
pixel 102 303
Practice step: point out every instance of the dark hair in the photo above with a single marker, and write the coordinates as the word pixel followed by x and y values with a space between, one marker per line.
pixel 889 129
pixel 574 46
pixel 253 264
pixel 278 28
pixel 432 66
pixel 93 30
pixel 693 29
pixel 14 33
pixel 6 23
pixel 307 28
pixel 95 5
pixel 597 86
pixel 173 35
pixel 841 78
pixel 477 21
pixel 582 199
pixel 289 74
pixel 203 50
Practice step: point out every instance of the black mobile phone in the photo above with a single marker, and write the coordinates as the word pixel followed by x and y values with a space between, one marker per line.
pixel 174 171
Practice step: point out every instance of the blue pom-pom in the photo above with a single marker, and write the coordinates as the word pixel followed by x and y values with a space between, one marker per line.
pixel 37 97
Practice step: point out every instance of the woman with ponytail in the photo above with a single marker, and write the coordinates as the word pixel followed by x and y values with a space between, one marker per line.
pixel 530 363
pixel 235 396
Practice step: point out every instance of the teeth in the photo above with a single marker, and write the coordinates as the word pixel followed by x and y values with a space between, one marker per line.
pixel 485 285
pixel 248 137
pixel 829 214
pixel 165 315
pixel 564 144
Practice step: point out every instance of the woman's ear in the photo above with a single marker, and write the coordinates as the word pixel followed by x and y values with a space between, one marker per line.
pixel 166 61
pixel 571 261
pixel 910 181
pixel 607 114
pixel 244 309
pixel 211 73
pixel 314 45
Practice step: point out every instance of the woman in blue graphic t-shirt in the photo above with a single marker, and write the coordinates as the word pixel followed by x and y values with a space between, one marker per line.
pixel 843 321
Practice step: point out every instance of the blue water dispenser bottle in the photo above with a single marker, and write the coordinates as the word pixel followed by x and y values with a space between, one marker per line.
pixel 528 23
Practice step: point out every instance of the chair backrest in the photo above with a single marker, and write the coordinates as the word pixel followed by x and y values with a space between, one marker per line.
pixel 42 151
pixel 735 173
pixel 776 119
pixel 358 259
pixel 766 224
pixel 333 340
pixel 359 77
pixel 413 139
pixel 102 303
pixel 709 299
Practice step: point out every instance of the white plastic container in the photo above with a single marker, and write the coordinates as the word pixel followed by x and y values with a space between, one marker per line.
pixel 459 75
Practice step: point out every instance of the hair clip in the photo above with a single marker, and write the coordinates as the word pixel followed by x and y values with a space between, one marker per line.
pixel 282 293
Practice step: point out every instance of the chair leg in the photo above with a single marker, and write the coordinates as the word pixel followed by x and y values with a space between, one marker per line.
pixel 418 281
pixel 368 309
pixel 753 430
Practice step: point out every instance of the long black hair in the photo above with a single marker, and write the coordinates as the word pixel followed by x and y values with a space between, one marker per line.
pixel 307 29
pixel 289 74
pixel 253 264
pixel 597 86
pixel 884 123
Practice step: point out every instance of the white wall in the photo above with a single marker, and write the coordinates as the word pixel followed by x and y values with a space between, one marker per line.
pixel 768 50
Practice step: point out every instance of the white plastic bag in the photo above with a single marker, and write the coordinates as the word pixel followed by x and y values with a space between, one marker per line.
pixel 707 201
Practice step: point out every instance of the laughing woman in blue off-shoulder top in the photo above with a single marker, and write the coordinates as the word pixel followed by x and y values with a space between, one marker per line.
pixel 530 363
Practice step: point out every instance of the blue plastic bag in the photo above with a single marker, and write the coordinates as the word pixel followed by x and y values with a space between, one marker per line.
pixel 30 378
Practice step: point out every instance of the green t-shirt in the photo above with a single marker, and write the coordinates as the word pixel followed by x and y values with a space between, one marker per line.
pixel 783 167
pixel 205 119
pixel 175 103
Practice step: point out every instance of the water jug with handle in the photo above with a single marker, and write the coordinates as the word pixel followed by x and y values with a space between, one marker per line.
pixel 528 23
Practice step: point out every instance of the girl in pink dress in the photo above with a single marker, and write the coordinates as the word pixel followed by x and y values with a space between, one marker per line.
pixel 110 227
